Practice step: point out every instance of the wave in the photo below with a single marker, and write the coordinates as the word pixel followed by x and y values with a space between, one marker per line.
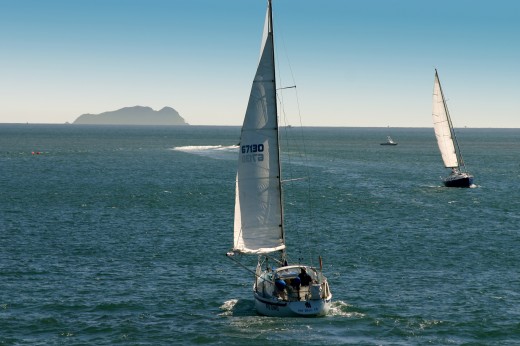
pixel 234 307
pixel 204 147
pixel 214 151
pixel 340 308
pixel 238 307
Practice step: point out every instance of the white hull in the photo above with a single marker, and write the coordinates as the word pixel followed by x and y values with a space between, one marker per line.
pixel 295 290
pixel 276 308
pixel 309 300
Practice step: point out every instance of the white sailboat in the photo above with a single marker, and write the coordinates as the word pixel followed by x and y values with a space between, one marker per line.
pixel 447 141
pixel 279 289
pixel 389 141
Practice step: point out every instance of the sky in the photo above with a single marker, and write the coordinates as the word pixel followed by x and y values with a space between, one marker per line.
pixel 354 62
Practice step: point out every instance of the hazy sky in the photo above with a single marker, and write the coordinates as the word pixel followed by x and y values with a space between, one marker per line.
pixel 355 62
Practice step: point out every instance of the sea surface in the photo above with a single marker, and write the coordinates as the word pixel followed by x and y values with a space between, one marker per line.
pixel 117 236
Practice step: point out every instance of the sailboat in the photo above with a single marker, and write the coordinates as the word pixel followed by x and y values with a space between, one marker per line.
pixel 279 289
pixel 389 141
pixel 447 141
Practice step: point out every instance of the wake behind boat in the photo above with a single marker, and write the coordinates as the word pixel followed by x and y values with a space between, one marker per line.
pixel 447 141
pixel 279 289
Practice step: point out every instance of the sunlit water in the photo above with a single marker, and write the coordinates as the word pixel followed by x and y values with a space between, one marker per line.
pixel 118 235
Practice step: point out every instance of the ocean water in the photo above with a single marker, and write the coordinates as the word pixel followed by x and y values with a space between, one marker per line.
pixel 117 235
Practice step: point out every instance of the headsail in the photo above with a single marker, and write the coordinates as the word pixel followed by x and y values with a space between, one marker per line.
pixel 442 126
pixel 258 203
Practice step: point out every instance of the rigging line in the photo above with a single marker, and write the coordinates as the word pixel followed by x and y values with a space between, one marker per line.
pixel 305 158
pixel 230 255
pixel 307 170
pixel 273 258
pixel 302 138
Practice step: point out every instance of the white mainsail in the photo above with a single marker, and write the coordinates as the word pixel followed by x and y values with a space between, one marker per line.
pixel 258 224
pixel 259 208
pixel 442 126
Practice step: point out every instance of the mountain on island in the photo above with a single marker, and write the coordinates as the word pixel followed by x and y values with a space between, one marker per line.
pixel 137 115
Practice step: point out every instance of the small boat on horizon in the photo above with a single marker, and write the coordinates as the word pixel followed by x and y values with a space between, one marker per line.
pixel 389 141
pixel 447 141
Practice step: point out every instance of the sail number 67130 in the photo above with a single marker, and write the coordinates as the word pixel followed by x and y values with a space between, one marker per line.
pixel 252 148
pixel 253 152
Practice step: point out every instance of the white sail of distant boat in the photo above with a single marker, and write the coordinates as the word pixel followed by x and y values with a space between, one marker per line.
pixel 389 141
pixel 283 290
pixel 447 141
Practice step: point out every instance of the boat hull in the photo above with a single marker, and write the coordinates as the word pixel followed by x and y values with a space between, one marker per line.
pixel 274 308
pixel 293 290
pixel 462 180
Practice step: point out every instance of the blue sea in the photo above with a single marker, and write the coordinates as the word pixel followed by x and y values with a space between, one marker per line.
pixel 117 236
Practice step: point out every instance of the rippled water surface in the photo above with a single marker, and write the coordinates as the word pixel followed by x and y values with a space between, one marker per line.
pixel 118 235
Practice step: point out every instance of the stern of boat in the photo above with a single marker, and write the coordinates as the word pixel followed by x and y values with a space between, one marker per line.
pixel 276 293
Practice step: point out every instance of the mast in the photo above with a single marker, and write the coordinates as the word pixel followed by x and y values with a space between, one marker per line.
pixel 271 38
pixel 460 161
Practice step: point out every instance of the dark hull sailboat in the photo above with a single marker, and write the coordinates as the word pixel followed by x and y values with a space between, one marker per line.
pixel 447 141
pixel 459 180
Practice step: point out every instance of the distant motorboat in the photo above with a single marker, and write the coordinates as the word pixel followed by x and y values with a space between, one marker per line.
pixel 389 141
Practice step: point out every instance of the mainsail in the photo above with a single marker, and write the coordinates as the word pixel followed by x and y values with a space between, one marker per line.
pixel 442 126
pixel 258 224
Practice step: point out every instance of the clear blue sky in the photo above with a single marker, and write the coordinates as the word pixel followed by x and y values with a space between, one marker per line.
pixel 356 63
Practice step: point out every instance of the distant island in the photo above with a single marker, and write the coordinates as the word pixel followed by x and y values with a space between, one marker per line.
pixel 137 115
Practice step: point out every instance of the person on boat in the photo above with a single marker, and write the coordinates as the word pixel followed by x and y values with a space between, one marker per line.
pixel 305 278
pixel 280 284
pixel 295 284
pixel 280 288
